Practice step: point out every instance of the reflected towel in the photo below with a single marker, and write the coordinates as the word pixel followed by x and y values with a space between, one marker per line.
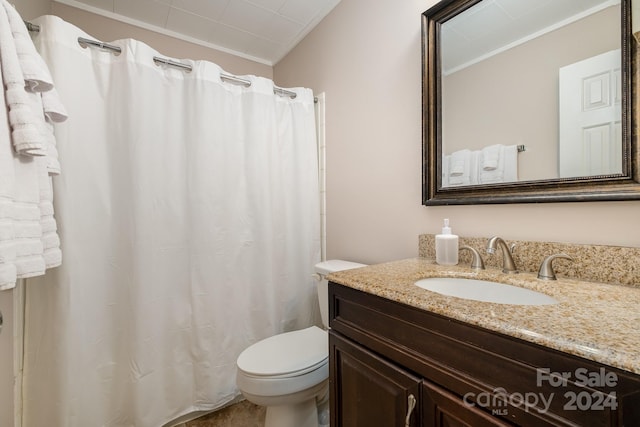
pixel 460 168
pixel 510 163
pixel 459 163
pixel 468 178
pixel 446 159
pixel 507 167
pixel 491 157
pixel 474 167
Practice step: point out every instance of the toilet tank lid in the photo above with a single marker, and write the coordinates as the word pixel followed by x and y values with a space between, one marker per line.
pixel 333 265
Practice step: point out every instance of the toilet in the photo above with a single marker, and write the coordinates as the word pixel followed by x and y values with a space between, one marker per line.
pixel 289 372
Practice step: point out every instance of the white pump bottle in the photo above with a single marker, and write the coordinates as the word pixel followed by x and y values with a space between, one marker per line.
pixel 446 246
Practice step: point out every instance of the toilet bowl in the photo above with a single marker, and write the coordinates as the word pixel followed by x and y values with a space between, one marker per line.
pixel 289 372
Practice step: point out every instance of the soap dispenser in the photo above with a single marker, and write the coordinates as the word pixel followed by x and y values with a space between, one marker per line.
pixel 446 246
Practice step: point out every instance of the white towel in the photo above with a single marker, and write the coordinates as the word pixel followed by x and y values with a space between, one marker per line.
pixel 459 163
pixel 54 111
pixel 496 174
pixel 53 164
pixel 474 167
pixel 7 275
pixel 24 124
pixel 6 227
pixel 459 168
pixel 506 169
pixel 491 157
pixel 34 70
pixel 510 163
pixel 29 243
pixel 445 170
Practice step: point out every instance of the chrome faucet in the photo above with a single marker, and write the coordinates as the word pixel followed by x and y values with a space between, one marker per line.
pixel 508 266
pixel 476 258
pixel 546 271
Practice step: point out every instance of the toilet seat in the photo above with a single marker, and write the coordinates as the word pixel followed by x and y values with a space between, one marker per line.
pixel 285 355
pixel 284 364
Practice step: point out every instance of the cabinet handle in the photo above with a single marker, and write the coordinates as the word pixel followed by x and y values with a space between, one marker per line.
pixel 411 403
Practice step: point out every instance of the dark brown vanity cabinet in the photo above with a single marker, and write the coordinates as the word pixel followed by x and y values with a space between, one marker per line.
pixel 372 391
pixel 392 365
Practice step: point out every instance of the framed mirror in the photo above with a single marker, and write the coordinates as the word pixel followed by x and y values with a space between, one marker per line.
pixel 529 101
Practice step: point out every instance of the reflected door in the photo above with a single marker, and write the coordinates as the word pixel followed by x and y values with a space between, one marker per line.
pixel 590 97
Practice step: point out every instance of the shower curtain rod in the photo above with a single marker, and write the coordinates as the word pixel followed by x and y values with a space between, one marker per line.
pixel 158 60
pixel 185 67
pixel 180 65
pixel 233 79
pixel 32 27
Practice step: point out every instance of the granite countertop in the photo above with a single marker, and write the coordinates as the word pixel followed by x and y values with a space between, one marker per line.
pixel 596 321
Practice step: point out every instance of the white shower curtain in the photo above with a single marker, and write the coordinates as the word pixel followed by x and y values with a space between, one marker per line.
pixel 188 212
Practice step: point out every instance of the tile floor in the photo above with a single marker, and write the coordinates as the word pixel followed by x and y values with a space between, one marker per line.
pixel 242 414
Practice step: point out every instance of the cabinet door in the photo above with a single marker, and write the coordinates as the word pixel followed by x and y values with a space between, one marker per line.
pixel 442 408
pixel 368 391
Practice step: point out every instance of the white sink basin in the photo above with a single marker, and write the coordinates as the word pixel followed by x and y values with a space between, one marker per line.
pixel 483 290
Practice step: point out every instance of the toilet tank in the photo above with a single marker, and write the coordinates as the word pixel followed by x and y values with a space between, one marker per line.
pixel 322 270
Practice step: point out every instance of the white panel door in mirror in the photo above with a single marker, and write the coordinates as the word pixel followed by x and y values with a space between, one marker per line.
pixel 590 117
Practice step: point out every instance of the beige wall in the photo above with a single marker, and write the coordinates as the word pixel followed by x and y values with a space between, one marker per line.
pixel 367 59
pixel 30 9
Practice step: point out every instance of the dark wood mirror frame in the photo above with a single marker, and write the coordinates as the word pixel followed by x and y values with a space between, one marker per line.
pixel 624 186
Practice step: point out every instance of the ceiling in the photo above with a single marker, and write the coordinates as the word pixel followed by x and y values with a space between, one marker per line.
pixel 260 30
pixel 493 26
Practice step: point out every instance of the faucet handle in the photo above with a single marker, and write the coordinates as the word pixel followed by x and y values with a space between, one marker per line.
pixel 546 268
pixel 476 261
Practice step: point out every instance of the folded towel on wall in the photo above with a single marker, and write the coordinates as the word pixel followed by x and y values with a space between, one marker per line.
pixel 495 174
pixel 446 159
pixel 34 70
pixel 25 126
pixel 54 111
pixel 459 163
pixel 506 168
pixel 53 164
pixel 511 163
pixel 29 243
pixel 474 167
pixel 491 157
pixel 460 168
pixel 25 73
pixel 27 138
pixel 7 276
pixel 457 167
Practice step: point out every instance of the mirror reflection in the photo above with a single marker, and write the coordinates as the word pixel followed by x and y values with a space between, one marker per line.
pixel 531 90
